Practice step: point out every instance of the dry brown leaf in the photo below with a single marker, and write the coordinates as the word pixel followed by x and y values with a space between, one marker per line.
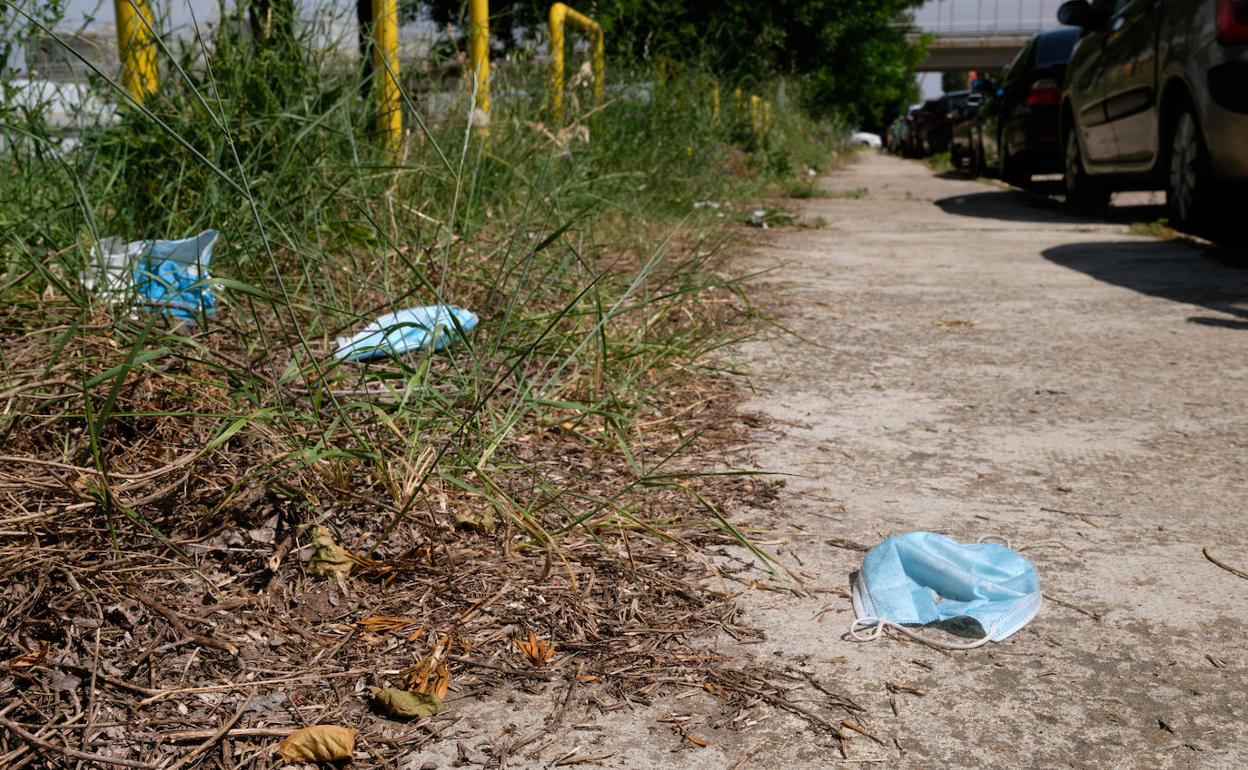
pixel 478 521
pixel 696 741
pixel 538 651
pixel 32 658
pixel 328 559
pixel 322 743
pixel 382 623
pixel 431 675
pixel 394 702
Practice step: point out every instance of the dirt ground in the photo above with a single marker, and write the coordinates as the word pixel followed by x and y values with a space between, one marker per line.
pixel 970 360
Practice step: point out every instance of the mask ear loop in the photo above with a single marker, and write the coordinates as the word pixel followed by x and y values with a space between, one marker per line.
pixel 876 629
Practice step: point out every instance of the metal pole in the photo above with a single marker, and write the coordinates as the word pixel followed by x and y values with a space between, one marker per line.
pixel 479 47
pixel 557 13
pixel 386 68
pixel 599 64
pixel 138 51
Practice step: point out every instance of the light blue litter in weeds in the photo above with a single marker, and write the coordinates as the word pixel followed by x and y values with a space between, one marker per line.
pixel 172 276
pixel 417 328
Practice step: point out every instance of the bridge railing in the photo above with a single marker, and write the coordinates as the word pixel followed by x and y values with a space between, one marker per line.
pixel 984 18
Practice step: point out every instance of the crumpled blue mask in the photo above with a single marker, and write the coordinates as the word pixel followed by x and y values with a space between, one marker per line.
pixel 921 578
pixel 172 276
pixel 405 330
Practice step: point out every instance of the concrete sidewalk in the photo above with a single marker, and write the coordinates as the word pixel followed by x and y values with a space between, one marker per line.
pixel 984 364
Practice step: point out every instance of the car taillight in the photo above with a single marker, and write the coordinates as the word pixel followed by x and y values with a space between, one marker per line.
pixel 1232 22
pixel 1044 92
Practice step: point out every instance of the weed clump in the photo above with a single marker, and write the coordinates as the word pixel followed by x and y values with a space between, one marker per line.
pixel 529 477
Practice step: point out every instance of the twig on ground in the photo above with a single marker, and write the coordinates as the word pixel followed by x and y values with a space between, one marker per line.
pixel 1224 565
pixel 216 736
pixel 1095 616
pixel 74 753
pixel 1081 515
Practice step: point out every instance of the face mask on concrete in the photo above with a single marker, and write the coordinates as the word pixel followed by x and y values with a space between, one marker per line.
pixel 922 578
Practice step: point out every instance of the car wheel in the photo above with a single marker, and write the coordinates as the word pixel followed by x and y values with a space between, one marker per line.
pixel 1081 191
pixel 1009 169
pixel 977 160
pixel 1188 185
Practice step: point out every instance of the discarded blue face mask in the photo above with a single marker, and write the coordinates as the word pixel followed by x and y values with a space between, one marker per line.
pixel 162 276
pixel 418 328
pixel 921 578
pixel 172 276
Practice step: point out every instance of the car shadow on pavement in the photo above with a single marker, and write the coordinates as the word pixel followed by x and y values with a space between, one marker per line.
pixel 1212 277
pixel 1041 202
pixel 1037 206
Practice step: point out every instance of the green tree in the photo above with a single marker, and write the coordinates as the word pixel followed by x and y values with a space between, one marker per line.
pixel 852 57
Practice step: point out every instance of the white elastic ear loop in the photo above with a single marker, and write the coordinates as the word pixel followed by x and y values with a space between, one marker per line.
pixel 876 626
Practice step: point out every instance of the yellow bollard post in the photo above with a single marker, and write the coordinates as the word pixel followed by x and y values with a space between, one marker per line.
pixel 599 62
pixel 715 101
pixel 137 49
pixel 756 120
pixel 479 48
pixel 386 73
pixel 560 14
pixel 736 104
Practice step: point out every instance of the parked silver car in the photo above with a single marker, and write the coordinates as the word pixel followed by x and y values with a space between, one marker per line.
pixel 1157 96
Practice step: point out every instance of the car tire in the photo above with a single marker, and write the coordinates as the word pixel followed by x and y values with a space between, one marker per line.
pixel 977 160
pixel 1082 192
pixel 1189 178
pixel 1009 170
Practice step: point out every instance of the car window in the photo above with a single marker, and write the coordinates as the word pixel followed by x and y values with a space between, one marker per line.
pixel 1110 7
pixel 1021 62
pixel 1055 47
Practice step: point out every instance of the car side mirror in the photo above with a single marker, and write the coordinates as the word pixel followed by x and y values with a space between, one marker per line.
pixel 1078 13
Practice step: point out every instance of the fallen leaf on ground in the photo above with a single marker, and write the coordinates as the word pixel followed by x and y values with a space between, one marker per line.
pixel 538 651
pixel 949 322
pixel 696 741
pixel 394 702
pixel 33 658
pixel 322 743
pixel 431 675
pixel 381 623
pixel 478 521
pixel 328 559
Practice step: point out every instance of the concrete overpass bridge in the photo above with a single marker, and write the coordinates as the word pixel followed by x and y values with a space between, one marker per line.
pixel 979 34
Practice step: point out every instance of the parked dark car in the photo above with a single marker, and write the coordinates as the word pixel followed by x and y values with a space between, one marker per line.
pixel 912 136
pixel 1017 132
pixel 962 146
pixel 923 123
pixel 1157 97
pixel 941 114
